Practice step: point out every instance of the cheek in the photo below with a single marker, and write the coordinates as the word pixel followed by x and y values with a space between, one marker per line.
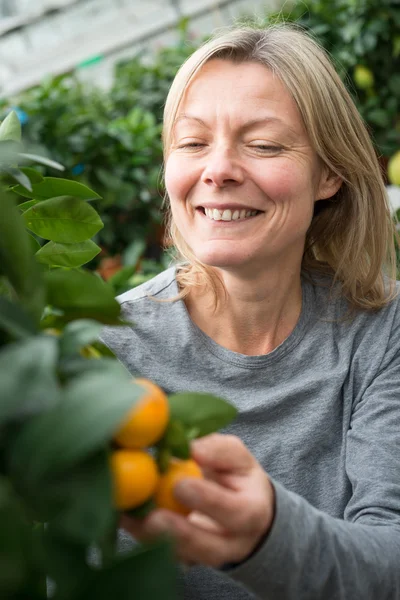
pixel 178 179
pixel 287 185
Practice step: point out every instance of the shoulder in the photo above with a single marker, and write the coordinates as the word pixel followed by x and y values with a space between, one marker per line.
pixel 162 286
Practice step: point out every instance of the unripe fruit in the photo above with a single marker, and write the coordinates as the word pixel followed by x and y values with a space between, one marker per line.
pixel 394 169
pixel 363 77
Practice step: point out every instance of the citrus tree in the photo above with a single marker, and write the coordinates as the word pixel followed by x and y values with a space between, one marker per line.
pixel 76 444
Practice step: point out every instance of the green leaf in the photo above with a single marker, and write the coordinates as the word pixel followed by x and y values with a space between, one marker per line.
pixel 82 295
pixel 88 511
pixel 137 571
pixel 25 205
pixel 9 152
pixel 41 160
pixel 64 219
pixel 10 128
pixel 64 561
pixel 15 542
pixel 34 243
pixel 68 255
pixel 176 440
pixel 92 408
pixel 50 187
pixel 34 176
pixel 78 334
pixel 19 176
pixel 28 377
pixel 205 412
pixel 15 320
pixel 17 260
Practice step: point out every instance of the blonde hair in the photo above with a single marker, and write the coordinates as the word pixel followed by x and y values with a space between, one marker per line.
pixel 351 236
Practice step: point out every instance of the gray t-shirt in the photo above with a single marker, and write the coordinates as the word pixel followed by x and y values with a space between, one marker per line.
pixel 321 413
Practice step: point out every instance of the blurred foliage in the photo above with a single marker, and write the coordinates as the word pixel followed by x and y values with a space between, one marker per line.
pixel 57 378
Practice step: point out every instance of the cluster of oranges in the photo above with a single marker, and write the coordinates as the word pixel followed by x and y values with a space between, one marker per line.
pixel 136 474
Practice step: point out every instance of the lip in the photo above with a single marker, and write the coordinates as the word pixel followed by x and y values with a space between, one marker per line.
pixel 232 207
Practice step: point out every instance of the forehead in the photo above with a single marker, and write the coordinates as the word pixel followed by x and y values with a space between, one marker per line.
pixel 239 91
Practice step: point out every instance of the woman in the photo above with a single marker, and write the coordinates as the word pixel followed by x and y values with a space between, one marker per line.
pixel 284 303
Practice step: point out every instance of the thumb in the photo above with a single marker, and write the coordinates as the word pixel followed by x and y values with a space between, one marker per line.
pixel 223 453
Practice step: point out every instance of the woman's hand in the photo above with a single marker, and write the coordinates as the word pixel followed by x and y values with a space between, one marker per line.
pixel 233 507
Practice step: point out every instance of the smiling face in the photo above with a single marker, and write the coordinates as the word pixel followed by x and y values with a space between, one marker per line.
pixel 241 175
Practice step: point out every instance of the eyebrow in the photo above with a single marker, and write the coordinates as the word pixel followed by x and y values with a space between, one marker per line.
pixel 248 125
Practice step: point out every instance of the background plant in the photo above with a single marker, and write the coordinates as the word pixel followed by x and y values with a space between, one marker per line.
pixel 109 140
pixel 363 37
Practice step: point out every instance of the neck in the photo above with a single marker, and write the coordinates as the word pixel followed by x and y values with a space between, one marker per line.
pixel 256 314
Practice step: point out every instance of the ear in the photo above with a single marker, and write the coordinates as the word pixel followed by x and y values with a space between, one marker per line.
pixel 329 184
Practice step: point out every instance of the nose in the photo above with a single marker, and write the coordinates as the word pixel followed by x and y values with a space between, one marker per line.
pixel 222 169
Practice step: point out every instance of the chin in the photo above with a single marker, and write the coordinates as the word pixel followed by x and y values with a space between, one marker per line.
pixel 221 260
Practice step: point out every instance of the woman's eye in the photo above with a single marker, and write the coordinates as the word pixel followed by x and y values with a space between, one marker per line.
pixel 266 148
pixel 192 145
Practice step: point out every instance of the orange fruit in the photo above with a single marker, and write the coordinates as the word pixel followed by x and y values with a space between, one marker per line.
pixel 148 419
pixel 177 470
pixel 135 478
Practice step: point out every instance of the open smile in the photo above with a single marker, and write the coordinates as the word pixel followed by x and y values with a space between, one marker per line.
pixel 227 216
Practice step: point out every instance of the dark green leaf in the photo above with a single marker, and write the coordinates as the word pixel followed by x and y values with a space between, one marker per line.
pixel 394 84
pixel 78 334
pixel 34 176
pixel 41 160
pixel 17 260
pixel 379 117
pixel 51 187
pixel 88 512
pixel 34 243
pixel 206 412
pixel 137 572
pixel 64 561
pixel 64 219
pixel 15 320
pixel 68 255
pixel 176 440
pixel 82 295
pixel 10 128
pixel 15 542
pixel 92 408
pixel 28 377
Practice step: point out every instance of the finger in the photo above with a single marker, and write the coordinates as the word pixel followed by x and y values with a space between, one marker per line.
pixel 196 545
pixel 203 522
pixel 142 529
pixel 224 506
pixel 222 453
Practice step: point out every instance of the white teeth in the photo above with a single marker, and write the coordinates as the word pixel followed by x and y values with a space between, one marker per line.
pixel 228 215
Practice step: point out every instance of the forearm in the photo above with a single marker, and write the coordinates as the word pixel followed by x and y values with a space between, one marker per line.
pixel 310 555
